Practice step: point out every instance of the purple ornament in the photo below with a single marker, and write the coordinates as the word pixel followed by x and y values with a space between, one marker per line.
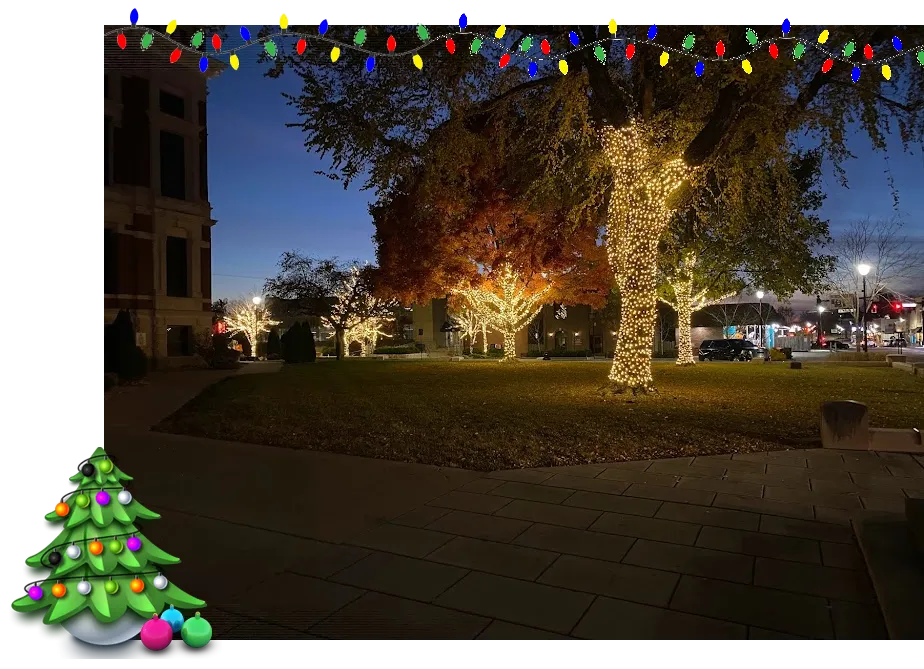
pixel 102 498
pixel 134 544
pixel 35 593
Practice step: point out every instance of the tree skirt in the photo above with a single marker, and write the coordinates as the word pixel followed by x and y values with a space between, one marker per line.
pixel 87 628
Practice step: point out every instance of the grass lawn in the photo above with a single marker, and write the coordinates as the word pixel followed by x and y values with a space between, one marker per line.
pixel 489 416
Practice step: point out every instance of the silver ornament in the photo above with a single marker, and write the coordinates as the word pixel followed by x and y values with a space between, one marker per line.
pixel 84 587
pixel 124 497
pixel 73 551
pixel 160 582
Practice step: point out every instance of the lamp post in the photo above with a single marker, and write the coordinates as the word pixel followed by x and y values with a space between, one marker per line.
pixel 760 303
pixel 821 309
pixel 864 269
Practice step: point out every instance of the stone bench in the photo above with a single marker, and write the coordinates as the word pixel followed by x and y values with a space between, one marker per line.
pixel 845 425
pixel 895 357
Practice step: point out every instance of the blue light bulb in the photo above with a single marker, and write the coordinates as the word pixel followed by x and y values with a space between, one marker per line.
pixel 855 74
pixel 574 38
pixel 203 64
pixel 463 22
pixel 700 68
pixel 323 27
pixel 652 32
pixel 533 68
pixel 370 63
pixel 133 17
pixel 245 34
pixel 786 27
pixel 897 43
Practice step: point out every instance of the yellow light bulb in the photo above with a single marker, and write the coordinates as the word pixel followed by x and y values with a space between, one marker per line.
pixel 823 37
pixel 613 27
pixel 235 61
pixel 283 21
pixel 664 58
pixel 499 33
pixel 334 54
pixel 171 27
pixel 887 72
pixel 746 66
pixel 418 61
pixel 563 66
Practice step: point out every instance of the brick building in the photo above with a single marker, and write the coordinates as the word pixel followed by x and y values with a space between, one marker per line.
pixel 158 222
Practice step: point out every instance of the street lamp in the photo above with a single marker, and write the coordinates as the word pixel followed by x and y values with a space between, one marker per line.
pixel 760 302
pixel 863 270
pixel 257 299
pixel 821 309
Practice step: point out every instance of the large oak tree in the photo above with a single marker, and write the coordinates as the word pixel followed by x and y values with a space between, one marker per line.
pixel 658 129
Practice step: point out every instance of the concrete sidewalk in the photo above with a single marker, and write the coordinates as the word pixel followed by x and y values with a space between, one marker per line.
pixel 287 544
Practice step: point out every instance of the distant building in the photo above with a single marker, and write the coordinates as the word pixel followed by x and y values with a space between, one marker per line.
pixel 158 220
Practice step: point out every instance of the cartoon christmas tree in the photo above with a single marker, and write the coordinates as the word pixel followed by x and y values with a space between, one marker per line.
pixel 105 579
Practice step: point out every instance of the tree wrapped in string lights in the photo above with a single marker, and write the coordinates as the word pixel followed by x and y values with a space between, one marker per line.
pixel 506 304
pixel 638 214
pixel 357 311
pixel 683 294
pixel 250 318
pixel 106 576
pixel 472 324
pixel 366 334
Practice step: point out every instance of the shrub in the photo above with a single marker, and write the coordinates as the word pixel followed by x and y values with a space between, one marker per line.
pixel 273 344
pixel 787 351
pixel 119 358
pixel 778 355
pixel 495 353
pixel 292 344
pixel 217 352
pixel 309 352
pixel 854 356
pixel 420 346
pixel 395 350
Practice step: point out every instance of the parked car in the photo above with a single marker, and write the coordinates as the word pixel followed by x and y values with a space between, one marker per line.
pixel 897 341
pixel 835 344
pixel 730 349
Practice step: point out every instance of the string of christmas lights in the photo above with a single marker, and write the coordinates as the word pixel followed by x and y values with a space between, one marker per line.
pixel 523 47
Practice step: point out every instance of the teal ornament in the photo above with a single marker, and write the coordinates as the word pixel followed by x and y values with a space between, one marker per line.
pixel 174 617
pixel 197 631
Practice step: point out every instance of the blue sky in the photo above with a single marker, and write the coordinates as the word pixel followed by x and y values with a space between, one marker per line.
pixel 267 198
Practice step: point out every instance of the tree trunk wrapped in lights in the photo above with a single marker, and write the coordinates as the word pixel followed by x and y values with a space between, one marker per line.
pixel 508 308
pixel 686 303
pixel 367 334
pixel 471 324
pixel 252 320
pixel 638 214
pixel 357 312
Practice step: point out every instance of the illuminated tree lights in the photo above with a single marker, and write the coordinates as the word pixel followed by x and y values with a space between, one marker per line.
pixel 638 214
pixel 357 313
pixel 507 307
pixel 685 303
pixel 366 334
pixel 471 324
pixel 252 320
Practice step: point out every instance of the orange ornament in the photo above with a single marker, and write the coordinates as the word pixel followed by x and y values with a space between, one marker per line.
pixel 95 547
pixel 58 590
pixel 62 509
pixel 137 585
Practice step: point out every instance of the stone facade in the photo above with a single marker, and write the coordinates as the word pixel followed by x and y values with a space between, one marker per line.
pixel 158 259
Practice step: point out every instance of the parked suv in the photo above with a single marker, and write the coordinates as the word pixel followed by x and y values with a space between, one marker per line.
pixel 730 349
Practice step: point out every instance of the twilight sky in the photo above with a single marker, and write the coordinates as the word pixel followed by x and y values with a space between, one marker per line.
pixel 267 198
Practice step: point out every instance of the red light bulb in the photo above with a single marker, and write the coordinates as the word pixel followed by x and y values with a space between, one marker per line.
pixel 868 52
pixel 826 67
pixel 505 59
pixel 300 47
pixel 175 56
pixel 120 40
pixel 544 45
pixel 774 51
pixel 630 51
pixel 720 49
pixel 450 45
pixel 216 42
pixel 391 44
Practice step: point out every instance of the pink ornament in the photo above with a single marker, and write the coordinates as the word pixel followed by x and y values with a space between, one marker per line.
pixel 156 634
pixel 102 498
pixel 134 544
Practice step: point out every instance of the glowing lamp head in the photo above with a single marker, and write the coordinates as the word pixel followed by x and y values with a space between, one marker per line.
pixel 257 299
pixel 760 294
pixel 821 308
pixel 863 269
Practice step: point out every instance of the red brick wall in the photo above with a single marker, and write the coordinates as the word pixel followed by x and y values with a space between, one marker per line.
pixel 136 265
